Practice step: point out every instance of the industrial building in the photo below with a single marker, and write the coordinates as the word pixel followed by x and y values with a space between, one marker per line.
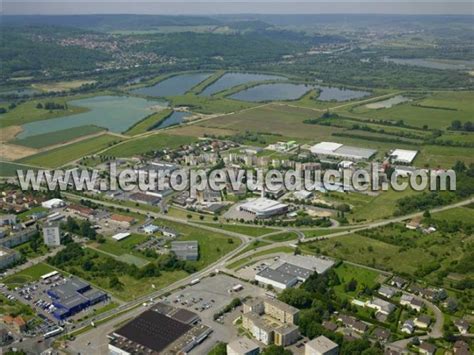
pixel 321 346
pixel 8 257
pixel 52 234
pixel 340 151
pixel 73 296
pixel 157 331
pixel 403 156
pixel 289 269
pixel 186 250
pixel 147 199
pixel 271 321
pixel 243 346
pixel 263 207
pixel 53 203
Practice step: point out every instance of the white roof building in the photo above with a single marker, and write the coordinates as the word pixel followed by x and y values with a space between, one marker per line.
pixel 403 156
pixel 337 150
pixel 321 346
pixel 53 203
pixel 120 236
pixel 263 207
pixel 302 194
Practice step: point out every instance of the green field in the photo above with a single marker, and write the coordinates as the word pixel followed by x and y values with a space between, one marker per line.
pixel 27 112
pixel 208 105
pixel 32 273
pixel 252 231
pixel 63 155
pixel 455 214
pixel 124 249
pixel 363 276
pixel 417 113
pixel 145 144
pixel 9 169
pixel 282 237
pixel 148 122
pixel 57 137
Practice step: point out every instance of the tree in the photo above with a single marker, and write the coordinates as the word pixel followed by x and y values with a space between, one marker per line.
pixel 115 283
pixel 276 350
pixel 219 349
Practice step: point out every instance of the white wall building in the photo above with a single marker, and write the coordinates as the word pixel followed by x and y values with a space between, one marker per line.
pixel 51 234
pixel 263 207
pixel 53 203
pixel 403 156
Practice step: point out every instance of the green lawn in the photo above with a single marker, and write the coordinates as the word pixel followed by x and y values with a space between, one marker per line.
pixel 208 105
pixel 282 237
pixel 364 278
pixel 63 155
pixel 252 231
pixel 9 169
pixel 123 246
pixel 148 122
pixel 455 214
pixel 153 142
pixel 32 273
pixel 57 137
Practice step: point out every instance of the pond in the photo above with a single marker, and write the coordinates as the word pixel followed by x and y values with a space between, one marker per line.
pixel 176 85
pixel 116 113
pixel 270 92
pixel 434 63
pixel 175 118
pixel 328 93
pixel 229 80
pixel 387 103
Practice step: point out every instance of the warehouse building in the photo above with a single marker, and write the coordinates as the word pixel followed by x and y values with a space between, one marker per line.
pixel 337 150
pixel 186 250
pixel 289 269
pixel 403 156
pixel 153 332
pixel 263 207
pixel 73 296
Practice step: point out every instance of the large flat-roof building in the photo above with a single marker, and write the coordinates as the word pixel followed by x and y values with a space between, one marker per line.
pixel 186 250
pixel 321 346
pixel 403 156
pixel 263 207
pixel 337 150
pixel 290 269
pixel 154 332
pixel 243 346
pixel 73 296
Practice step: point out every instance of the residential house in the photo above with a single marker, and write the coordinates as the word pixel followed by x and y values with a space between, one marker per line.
pixel 427 348
pixel 423 321
pixel 462 325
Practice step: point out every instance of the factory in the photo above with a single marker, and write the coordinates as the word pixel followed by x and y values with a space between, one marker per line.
pixel 340 151
pixel 160 330
pixel 291 269
pixel 186 250
pixel 263 207
pixel 73 296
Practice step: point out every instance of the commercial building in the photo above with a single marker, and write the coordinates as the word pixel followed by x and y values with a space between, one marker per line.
pixel 263 207
pixel 403 156
pixel 337 150
pixel 73 296
pixel 321 346
pixel 153 332
pixel 290 269
pixel 151 229
pixel 8 257
pixel 51 234
pixel 120 236
pixel 243 346
pixel 186 250
pixel 147 199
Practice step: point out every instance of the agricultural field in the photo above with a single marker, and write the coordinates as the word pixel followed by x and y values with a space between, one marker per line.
pixel 9 169
pixel 62 85
pixel 63 155
pixel 209 105
pixel 58 137
pixel 142 145
pixel 436 110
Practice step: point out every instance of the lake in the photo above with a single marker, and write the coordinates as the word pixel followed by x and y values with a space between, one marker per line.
pixel 116 113
pixel 328 93
pixel 175 118
pixel 387 103
pixel 229 80
pixel 174 86
pixel 270 92
pixel 433 63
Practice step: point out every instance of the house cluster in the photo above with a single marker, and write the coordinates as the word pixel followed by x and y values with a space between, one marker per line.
pixel 16 201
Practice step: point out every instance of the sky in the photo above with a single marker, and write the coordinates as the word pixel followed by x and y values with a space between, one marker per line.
pixel 186 7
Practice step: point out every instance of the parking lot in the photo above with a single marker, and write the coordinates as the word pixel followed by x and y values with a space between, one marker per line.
pixel 208 297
